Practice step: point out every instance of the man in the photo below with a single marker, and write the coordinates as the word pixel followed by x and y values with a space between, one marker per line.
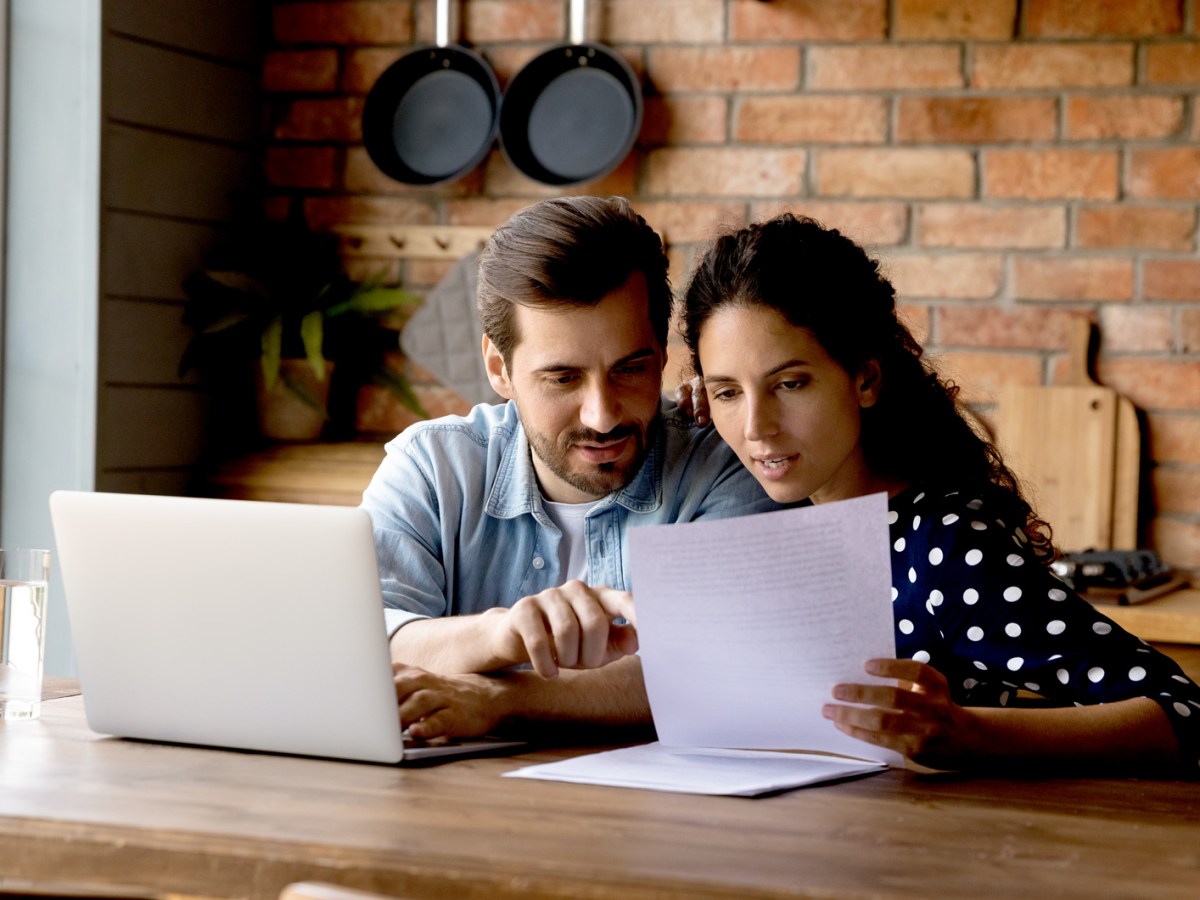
pixel 503 535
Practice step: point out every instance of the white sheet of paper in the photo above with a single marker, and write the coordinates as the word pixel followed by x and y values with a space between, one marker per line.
pixel 743 773
pixel 746 624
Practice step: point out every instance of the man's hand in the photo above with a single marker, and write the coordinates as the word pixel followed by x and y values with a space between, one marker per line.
pixel 568 627
pixel 433 706
pixel 692 400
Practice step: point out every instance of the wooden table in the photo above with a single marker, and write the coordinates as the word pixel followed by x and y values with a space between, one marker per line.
pixel 84 812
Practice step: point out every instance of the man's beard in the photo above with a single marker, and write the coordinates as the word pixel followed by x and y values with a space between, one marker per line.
pixel 596 480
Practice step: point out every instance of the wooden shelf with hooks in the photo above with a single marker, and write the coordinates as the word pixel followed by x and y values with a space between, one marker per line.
pixel 412 241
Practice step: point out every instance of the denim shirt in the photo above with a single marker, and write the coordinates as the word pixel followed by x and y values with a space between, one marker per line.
pixel 460 526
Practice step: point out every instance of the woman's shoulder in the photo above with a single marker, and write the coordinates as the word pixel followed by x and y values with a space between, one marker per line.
pixel 951 504
pixel 932 524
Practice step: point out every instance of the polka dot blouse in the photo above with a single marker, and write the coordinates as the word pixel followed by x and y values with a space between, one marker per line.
pixel 972 600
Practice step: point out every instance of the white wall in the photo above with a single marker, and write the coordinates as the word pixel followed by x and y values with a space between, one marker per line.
pixel 50 309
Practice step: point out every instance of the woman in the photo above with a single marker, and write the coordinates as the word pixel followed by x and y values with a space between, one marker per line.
pixel 823 394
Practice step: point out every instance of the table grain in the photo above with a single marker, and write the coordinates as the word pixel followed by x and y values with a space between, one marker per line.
pixel 154 820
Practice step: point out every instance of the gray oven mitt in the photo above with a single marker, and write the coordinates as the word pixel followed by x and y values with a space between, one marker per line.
pixel 445 336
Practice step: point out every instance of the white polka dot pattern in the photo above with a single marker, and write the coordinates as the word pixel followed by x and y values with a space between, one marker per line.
pixel 973 601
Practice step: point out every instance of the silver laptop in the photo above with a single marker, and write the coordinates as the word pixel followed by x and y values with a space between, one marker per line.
pixel 231 623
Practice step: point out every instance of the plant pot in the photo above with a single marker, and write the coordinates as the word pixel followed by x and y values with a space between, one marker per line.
pixel 296 406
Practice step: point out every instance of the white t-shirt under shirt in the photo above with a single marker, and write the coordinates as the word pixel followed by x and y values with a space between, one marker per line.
pixel 572 550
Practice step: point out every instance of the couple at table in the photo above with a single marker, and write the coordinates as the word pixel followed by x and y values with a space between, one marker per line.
pixel 502 535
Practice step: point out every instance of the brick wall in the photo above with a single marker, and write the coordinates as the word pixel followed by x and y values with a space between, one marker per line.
pixel 1015 163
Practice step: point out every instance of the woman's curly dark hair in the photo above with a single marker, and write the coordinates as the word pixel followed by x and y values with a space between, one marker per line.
pixel 819 279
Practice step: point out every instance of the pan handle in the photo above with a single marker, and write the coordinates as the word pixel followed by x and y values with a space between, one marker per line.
pixel 578 32
pixel 442 24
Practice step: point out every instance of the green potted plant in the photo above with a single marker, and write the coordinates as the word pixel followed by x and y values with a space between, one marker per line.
pixel 276 292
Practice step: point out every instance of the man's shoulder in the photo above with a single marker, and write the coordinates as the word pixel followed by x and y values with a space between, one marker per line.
pixel 482 426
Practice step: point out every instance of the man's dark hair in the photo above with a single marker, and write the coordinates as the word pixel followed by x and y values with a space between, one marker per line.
pixel 568 251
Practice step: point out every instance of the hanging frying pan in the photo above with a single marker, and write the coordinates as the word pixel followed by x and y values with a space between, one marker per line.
pixel 433 114
pixel 573 112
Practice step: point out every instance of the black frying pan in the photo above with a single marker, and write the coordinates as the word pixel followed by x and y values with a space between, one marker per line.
pixel 573 113
pixel 433 114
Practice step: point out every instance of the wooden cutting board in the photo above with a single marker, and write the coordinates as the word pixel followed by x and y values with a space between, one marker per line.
pixel 1076 448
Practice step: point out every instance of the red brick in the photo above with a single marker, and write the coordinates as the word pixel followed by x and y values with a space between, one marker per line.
pixel 1177 542
pixel 1176 491
pixel 1189 331
pixel 916 318
pixel 300 71
pixel 809 20
pixel 678 22
pixel 972 225
pixel 1062 278
pixel 1171 279
pixel 1098 118
pixel 1170 384
pixel 301 167
pixel 687 222
pixel 326 212
pixel 955 20
pixel 1051 174
pixel 872 224
pixel 1137 227
pixel 884 67
pixel 1009 328
pixel 365 65
pixel 956 276
pixel 678 367
pixel 1173 63
pixel 1136 329
pixel 813 119
pixel 347 22
pixel 1052 65
pixel 1089 18
pixel 895 173
pixel 987 120
pixel 362 177
pixel 980 375
pixel 337 120
pixel 504 180
pixel 507 60
pixel 725 172
pixel 679 120
pixel 635 56
pixel 489 21
pixel 1174 437
pixel 1165 174
pixel 730 68
pixel 682 259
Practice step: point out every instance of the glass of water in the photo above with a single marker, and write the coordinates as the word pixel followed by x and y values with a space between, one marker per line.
pixel 24 577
